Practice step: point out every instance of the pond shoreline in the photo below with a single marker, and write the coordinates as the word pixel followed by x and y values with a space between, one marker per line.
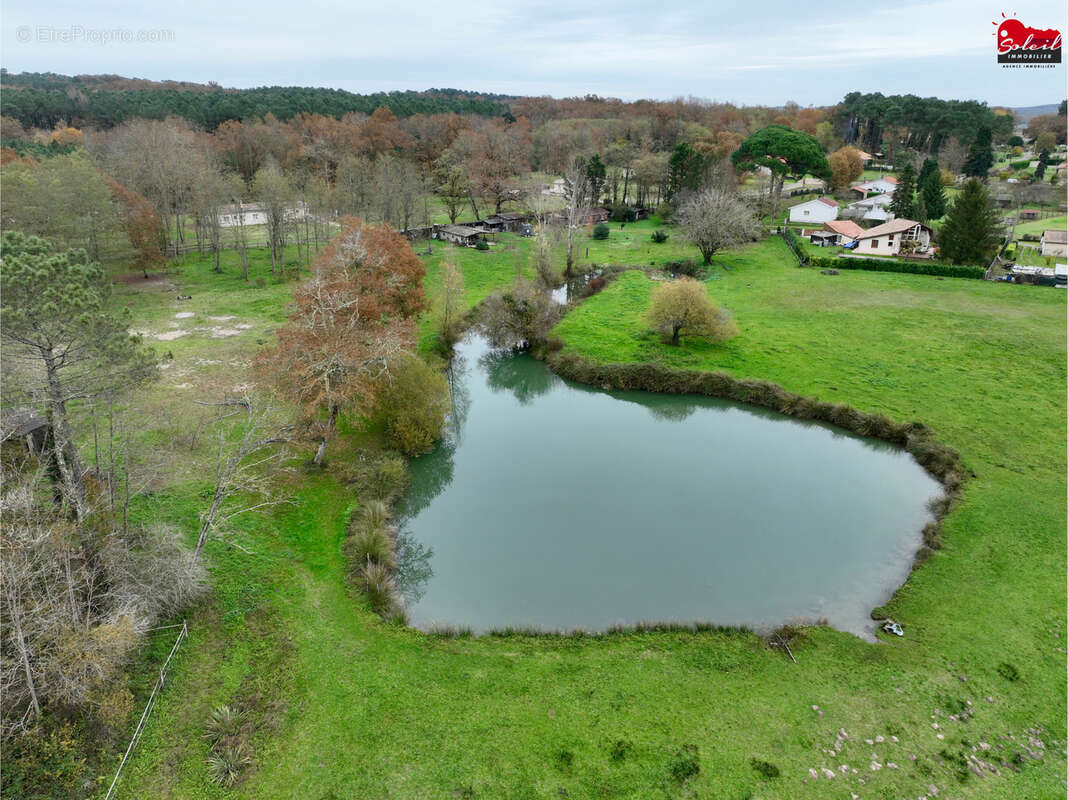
pixel 939 461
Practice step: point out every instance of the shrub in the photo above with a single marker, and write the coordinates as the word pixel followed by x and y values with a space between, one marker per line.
pixel 223 722
pixel 1008 672
pixel 373 513
pixel 907 267
pixel 376 583
pixel 621 213
pixel 688 267
pixel 414 406
pixel 225 765
pixel 683 307
pixel 1021 164
pixel 764 768
pixel 686 764
pixel 371 545
pixel 620 750
pixel 659 236
pixel 600 231
pixel 482 244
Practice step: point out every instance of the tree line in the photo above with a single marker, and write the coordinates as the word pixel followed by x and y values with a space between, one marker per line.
pixel 104 108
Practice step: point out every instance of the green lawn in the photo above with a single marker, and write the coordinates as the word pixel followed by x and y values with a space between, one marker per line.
pixel 1038 226
pixel 345 706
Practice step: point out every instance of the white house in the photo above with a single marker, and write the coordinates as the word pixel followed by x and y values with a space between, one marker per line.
pixel 892 237
pixel 876 208
pixel 256 214
pixel 557 188
pixel 883 185
pixel 1054 243
pixel 820 209
pixel 242 214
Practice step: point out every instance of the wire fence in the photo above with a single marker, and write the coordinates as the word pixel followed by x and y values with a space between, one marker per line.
pixel 160 682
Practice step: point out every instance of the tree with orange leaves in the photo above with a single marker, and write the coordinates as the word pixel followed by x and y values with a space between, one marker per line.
pixel 142 224
pixel 354 320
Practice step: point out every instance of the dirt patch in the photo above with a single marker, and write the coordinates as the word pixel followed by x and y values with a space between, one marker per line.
pixel 184 314
pixel 170 336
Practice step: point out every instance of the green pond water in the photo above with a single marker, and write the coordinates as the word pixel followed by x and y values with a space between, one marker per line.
pixel 560 506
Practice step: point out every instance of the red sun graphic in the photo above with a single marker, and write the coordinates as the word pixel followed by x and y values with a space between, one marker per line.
pixel 1019 42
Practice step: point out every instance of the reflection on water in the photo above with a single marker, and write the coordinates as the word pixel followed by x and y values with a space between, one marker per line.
pixel 559 505
pixel 505 372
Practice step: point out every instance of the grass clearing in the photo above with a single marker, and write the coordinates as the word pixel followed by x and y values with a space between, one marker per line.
pixel 347 706
pixel 1038 226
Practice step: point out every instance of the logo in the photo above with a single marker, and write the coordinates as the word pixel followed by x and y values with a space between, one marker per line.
pixel 1019 44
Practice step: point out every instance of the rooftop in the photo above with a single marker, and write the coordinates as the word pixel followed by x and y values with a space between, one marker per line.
pixel 893 226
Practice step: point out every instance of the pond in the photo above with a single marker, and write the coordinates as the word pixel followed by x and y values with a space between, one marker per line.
pixel 559 506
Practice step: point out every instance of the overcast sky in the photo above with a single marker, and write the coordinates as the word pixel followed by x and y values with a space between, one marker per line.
pixel 765 52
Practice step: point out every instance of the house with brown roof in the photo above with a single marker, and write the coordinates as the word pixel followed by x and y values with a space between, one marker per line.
pixel 896 236
pixel 820 209
pixel 836 233
pixel 1054 243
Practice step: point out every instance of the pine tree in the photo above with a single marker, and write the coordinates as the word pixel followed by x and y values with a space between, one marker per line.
pixel 930 188
pixel 980 155
pixel 920 209
pixel 595 174
pixel 904 203
pixel 970 233
pixel 1040 170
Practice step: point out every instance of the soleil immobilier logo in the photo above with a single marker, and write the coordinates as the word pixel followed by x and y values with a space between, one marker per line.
pixel 1018 43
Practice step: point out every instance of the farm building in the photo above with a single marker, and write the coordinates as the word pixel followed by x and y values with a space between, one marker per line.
pixel 876 208
pixel 510 221
pixel 459 234
pixel 836 233
pixel 1054 243
pixel 897 236
pixel 1029 213
pixel 821 209
pixel 585 216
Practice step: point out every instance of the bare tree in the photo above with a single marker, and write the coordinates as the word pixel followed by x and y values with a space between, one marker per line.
pixel 242 475
pixel 715 220
pixel 578 194
pixel 275 192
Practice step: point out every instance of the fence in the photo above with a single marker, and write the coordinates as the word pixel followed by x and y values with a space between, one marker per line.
pixel 794 243
pixel 160 681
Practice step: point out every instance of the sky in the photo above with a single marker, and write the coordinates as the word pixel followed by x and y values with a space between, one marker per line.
pixel 764 53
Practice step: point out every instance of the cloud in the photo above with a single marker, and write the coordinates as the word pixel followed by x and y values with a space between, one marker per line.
pixel 628 50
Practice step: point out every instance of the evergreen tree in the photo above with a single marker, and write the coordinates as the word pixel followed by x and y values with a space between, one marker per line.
pixel 595 174
pixel 904 203
pixel 931 190
pixel 970 233
pixel 920 209
pixel 685 166
pixel 980 155
pixel 1040 170
pixel 57 321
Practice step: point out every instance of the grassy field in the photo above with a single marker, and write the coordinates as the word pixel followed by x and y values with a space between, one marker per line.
pixel 344 706
pixel 1036 227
